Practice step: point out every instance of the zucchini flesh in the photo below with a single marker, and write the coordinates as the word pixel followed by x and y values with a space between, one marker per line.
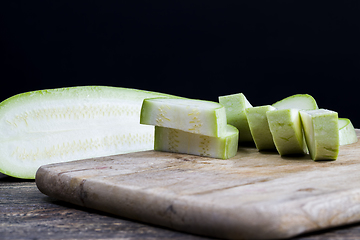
pixel 57 125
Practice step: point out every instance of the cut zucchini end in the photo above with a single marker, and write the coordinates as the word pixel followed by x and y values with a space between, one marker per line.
pixel 65 124
pixel 259 127
pixel 298 101
pixel 286 129
pixel 347 134
pixel 321 133
pixel 235 105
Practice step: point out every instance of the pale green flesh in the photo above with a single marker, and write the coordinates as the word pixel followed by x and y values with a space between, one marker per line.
pixel 321 133
pixel 286 129
pixel 194 116
pixel 58 125
pixel 259 127
pixel 174 140
pixel 297 101
pixel 235 105
pixel 347 134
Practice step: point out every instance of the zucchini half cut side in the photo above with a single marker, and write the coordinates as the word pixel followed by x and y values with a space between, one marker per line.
pixel 64 124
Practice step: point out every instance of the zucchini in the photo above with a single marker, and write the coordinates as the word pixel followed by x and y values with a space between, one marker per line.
pixel 177 141
pixel 64 124
pixel 189 115
pixel 321 133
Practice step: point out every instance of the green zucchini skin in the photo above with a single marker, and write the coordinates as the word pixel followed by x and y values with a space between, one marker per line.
pixel 65 124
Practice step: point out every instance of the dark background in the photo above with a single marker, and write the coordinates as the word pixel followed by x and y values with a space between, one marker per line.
pixel 200 49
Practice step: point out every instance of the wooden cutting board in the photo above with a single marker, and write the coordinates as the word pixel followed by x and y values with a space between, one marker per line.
pixel 253 195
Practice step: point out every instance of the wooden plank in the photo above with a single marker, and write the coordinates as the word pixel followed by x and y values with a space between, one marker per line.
pixel 254 195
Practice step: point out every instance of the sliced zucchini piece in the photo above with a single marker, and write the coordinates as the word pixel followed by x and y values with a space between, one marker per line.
pixel 347 134
pixel 259 127
pixel 321 133
pixel 286 129
pixel 235 105
pixel 194 116
pixel 178 141
pixel 298 101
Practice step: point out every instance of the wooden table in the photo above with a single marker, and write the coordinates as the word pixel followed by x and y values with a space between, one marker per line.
pixel 26 213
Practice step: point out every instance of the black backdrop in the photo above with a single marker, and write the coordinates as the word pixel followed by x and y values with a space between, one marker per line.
pixel 200 49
